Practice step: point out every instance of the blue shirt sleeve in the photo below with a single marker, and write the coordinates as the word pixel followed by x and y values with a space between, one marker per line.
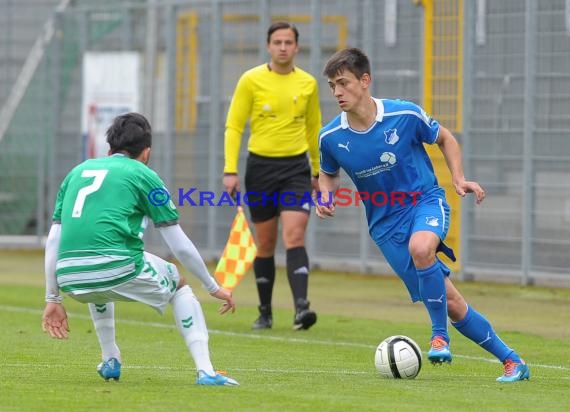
pixel 427 127
pixel 329 164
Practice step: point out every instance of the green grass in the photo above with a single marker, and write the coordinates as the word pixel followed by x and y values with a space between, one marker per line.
pixel 328 368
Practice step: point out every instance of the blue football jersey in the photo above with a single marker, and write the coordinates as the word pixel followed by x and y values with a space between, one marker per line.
pixel 388 161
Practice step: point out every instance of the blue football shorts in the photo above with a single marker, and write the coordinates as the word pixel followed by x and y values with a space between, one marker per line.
pixel 430 214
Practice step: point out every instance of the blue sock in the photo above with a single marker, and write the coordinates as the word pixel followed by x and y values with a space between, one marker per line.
pixel 477 328
pixel 432 291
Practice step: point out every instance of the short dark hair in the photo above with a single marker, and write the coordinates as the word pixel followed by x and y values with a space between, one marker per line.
pixel 351 59
pixel 282 25
pixel 131 133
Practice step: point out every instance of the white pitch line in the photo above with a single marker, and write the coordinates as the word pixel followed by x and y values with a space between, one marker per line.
pixel 7 308
pixel 289 371
pixel 186 369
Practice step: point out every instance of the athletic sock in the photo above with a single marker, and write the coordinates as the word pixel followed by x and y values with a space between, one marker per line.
pixel 298 272
pixel 477 328
pixel 103 317
pixel 432 291
pixel 264 269
pixel 191 324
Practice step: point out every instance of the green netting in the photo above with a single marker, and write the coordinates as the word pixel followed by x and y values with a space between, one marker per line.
pixel 24 148
pixel 20 156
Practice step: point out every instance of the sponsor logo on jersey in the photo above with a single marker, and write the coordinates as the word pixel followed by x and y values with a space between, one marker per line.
pixel 344 146
pixel 387 161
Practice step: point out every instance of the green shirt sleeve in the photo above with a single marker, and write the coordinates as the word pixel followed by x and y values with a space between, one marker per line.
pixel 56 217
pixel 156 201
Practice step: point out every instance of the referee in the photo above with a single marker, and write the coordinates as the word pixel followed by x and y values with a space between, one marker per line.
pixel 281 102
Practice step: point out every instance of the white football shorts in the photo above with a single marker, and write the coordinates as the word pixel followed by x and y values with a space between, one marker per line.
pixel 154 286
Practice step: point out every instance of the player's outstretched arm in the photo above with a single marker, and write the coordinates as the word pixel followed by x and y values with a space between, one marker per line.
pixel 184 250
pixel 187 254
pixel 452 154
pixel 54 319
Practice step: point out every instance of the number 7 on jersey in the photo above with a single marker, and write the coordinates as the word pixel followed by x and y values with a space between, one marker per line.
pixel 99 176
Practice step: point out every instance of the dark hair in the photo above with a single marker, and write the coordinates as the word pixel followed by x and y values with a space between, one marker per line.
pixel 129 133
pixel 352 59
pixel 282 25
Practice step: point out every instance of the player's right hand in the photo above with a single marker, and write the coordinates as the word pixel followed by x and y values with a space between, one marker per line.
pixel 324 206
pixel 229 304
pixel 54 320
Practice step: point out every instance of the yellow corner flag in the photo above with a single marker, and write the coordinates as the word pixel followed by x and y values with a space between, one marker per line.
pixel 238 254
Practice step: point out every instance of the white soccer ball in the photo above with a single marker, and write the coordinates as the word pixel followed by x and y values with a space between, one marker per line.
pixel 398 357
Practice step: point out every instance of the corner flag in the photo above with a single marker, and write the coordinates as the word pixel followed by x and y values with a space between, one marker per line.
pixel 238 254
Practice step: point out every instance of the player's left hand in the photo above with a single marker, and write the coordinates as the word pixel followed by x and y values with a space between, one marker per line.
pixel 229 304
pixel 466 186
pixel 54 321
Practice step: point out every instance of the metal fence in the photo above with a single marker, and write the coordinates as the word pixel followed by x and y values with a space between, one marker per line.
pixel 506 96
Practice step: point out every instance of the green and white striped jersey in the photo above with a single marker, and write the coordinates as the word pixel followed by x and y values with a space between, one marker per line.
pixel 103 205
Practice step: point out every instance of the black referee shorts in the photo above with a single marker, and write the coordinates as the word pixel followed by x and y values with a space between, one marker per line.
pixel 274 184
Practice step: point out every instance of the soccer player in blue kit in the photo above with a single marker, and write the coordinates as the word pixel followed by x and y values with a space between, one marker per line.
pixel 379 143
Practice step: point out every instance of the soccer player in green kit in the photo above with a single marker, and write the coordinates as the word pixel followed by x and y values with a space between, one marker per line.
pixel 95 250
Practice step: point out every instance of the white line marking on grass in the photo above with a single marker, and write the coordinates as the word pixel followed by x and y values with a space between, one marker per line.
pixel 7 308
pixel 188 369
pixel 266 370
pixel 289 371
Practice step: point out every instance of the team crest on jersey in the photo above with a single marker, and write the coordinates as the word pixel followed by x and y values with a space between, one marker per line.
pixel 391 136
pixel 432 221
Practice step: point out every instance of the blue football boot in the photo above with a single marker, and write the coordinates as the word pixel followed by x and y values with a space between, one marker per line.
pixel 219 379
pixel 439 351
pixel 514 371
pixel 110 369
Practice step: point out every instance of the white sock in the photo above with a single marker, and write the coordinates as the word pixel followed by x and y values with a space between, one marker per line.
pixel 192 326
pixel 104 321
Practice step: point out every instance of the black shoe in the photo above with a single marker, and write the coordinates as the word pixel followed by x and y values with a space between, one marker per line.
pixel 304 318
pixel 265 319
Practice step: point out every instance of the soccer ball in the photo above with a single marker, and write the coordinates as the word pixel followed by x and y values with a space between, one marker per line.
pixel 398 357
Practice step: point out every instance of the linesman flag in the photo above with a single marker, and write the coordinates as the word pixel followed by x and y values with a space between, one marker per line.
pixel 238 254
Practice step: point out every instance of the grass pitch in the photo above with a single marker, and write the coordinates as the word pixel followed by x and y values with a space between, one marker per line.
pixel 328 368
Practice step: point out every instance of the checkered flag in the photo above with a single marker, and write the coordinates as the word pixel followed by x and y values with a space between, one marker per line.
pixel 238 254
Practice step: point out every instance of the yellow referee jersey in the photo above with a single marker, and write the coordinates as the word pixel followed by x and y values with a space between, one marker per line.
pixel 284 115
